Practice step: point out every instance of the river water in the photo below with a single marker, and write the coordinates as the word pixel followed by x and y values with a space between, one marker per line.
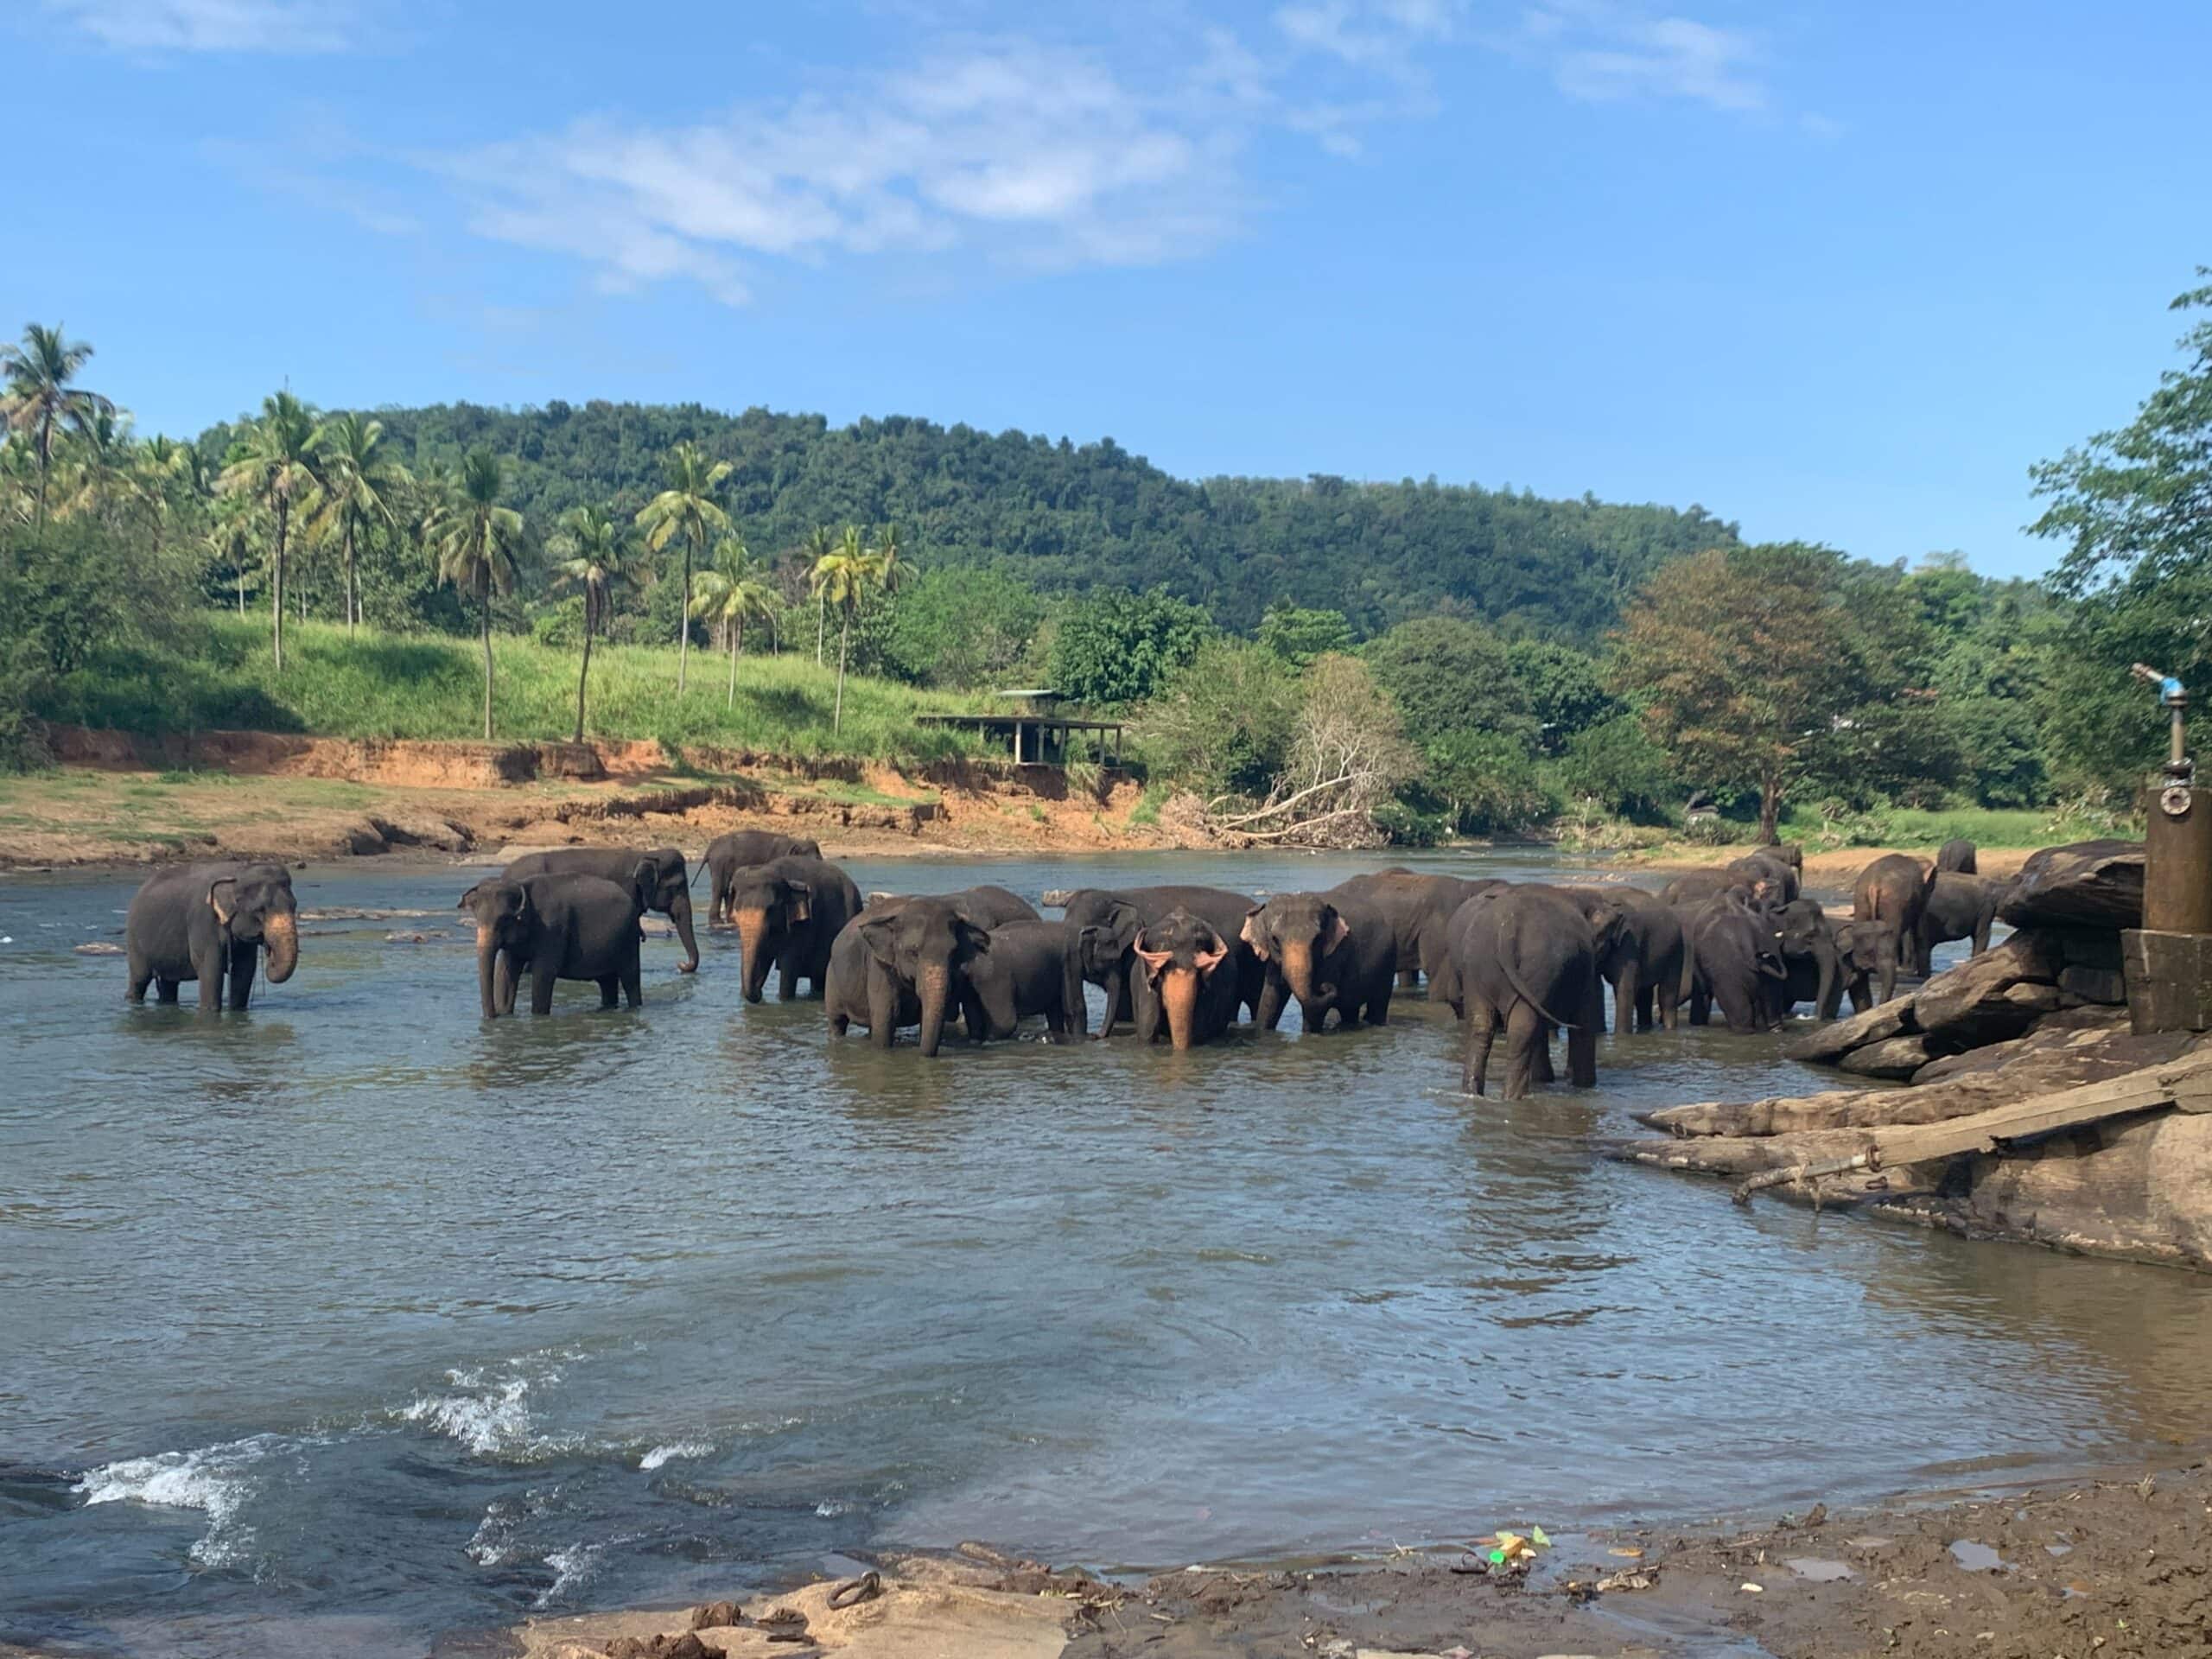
pixel 357 1323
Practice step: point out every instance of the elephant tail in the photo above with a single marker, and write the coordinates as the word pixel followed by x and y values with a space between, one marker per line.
pixel 1521 989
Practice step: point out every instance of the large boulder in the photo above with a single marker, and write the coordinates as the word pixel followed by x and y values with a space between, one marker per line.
pixel 1826 1044
pixel 2097 884
pixel 1992 997
pixel 1897 1058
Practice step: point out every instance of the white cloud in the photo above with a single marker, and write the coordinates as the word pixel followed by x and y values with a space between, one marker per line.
pixel 279 26
pixel 1019 152
pixel 1604 51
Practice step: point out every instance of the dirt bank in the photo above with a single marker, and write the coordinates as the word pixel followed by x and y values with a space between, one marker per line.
pixel 123 800
pixel 2117 1567
pixel 1835 870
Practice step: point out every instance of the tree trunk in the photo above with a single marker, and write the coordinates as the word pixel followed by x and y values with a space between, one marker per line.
pixel 844 633
pixel 683 624
pixel 487 667
pixel 1769 807
pixel 349 605
pixel 276 584
pixel 241 588
pixel 45 463
pixel 732 703
pixel 821 623
pixel 583 674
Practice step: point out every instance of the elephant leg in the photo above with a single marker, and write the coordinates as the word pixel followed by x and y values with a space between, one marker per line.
pixel 1629 994
pixel 1272 998
pixel 1117 999
pixel 1885 971
pixel 1147 1009
pixel 1056 1023
pixel 212 970
pixel 541 989
pixel 165 990
pixel 1700 1006
pixel 1669 998
pixel 1645 998
pixel 141 977
pixel 634 981
pixel 882 1006
pixel 1527 1036
pixel 1378 1005
pixel 610 990
pixel 1540 1058
pixel 1478 1029
pixel 787 976
pixel 243 962
pixel 1582 1055
pixel 1408 978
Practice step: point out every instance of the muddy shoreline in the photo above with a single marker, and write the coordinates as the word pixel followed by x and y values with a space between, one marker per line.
pixel 2116 1563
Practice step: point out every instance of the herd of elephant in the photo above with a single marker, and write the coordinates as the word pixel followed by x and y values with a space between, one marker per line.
pixel 1182 963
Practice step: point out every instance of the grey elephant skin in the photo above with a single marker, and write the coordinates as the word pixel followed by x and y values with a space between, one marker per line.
pixel 1334 953
pixel 1957 857
pixel 904 961
pixel 671 890
pixel 1642 962
pixel 1811 963
pixel 1032 968
pixel 1886 903
pixel 558 927
pixel 1420 909
pixel 1524 959
pixel 1188 969
pixel 1735 962
pixel 727 854
pixel 788 913
pixel 211 922
pixel 1118 914
pixel 1960 907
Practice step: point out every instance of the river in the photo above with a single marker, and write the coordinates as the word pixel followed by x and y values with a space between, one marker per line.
pixel 358 1324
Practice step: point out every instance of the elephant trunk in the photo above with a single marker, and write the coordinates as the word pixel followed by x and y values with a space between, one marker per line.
pixel 753 942
pixel 1298 972
pixel 1178 996
pixel 487 958
pixel 280 940
pixel 679 912
pixel 936 990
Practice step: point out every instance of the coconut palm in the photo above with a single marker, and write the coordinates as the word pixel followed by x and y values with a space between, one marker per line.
pixel 38 395
pixel 893 569
pixel 732 594
pixel 229 539
pixel 844 579
pixel 102 476
pixel 819 546
pixel 478 540
pixel 275 464
pixel 362 486
pixel 687 511
pixel 596 554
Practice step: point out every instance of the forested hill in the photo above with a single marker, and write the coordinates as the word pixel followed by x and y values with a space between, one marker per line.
pixel 1068 518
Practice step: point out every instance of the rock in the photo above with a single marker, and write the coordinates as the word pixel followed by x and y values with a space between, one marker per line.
pixel 2093 883
pixel 97 947
pixel 1826 1045
pixel 685 1646
pixel 362 838
pixel 407 938
pixel 1969 1005
pixel 2105 985
pixel 421 830
pixel 2087 947
pixel 715 1615
pixel 1898 1057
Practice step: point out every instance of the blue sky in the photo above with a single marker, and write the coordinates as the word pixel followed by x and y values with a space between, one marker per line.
pixel 1838 270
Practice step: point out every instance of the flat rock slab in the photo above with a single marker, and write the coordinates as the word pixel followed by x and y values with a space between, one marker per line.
pixel 1993 996
pixel 2096 884
pixel 1826 1045
pixel 1897 1058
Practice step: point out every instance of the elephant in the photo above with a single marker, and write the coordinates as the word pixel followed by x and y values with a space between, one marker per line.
pixel 1733 959
pixel 906 962
pixel 1121 914
pixel 1330 951
pixel 727 854
pixel 1525 958
pixel 1184 959
pixel 1032 967
pixel 1643 960
pixel 1886 903
pixel 1813 965
pixel 207 922
pixel 788 913
pixel 568 926
pixel 1418 909
pixel 1959 907
pixel 1768 876
pixel 671 890
pixel 1858 966
pixel 1956 857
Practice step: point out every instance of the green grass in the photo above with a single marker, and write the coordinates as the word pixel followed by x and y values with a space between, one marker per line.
pixel 1984 826
pixel 432 686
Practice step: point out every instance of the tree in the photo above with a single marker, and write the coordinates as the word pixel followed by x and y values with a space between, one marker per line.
pixel 38 395
pixel 1223 724
pixel 964 627
pixel 1449 675
pixel 732 594
pixel 686 511
pixel 361 486
pixel 1298 635
pixel 595 554
pixel 819 546
pixel 1118 648
pixel 1565 689
pixel 1746 659
pixel 274 464
pixel 844 579
pixel 477 545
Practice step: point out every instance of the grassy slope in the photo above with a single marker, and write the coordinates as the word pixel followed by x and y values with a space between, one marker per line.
pixel 430 686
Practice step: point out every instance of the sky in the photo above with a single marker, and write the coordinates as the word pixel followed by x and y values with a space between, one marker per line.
pixel 1838 270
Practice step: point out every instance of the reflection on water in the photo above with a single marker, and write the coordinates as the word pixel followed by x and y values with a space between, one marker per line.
pixel 358 1318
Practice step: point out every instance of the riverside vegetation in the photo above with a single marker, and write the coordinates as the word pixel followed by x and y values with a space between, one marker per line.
pixel 1305 660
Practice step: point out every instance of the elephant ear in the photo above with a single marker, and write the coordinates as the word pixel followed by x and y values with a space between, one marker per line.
pixel 1254 936
pixel 801 902
pixel 223 898
pixel 1334 931
pixel 468 899
pixel 1155 961
pixel 876 935
pixel 1123 926
pixel 977 940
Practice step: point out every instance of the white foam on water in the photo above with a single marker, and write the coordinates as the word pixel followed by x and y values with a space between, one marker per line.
pixel 830 1508
pixel 661 1455
pixel 215 1480
pixel 571 1566
pixel 490 1417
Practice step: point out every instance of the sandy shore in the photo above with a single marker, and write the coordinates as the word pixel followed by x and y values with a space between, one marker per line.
pixel 2111 1567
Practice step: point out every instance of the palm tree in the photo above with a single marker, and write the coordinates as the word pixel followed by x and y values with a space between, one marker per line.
pixel 275 464
pixel 105 470
pixel 819 546
pixel 595 554
pixel 478 539
pixel 845 579
pixel 894 571
pixel 361 487
pixel 686 509
pixel 731 594
pixel 230 540
pixel 37 374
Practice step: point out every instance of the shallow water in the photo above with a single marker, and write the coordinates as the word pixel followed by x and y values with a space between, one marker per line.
pixel 361 1321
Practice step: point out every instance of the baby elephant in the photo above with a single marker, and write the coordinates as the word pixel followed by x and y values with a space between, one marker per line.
pixel 1031 968
pixel 559 927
